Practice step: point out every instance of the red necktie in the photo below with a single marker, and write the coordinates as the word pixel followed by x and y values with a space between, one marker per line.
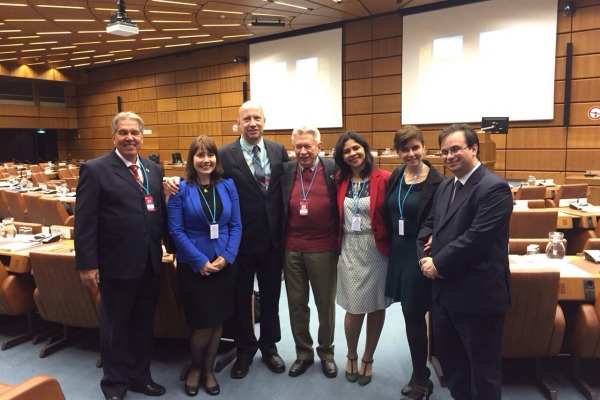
pixel 134 170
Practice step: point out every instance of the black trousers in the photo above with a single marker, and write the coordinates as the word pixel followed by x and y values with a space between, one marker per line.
pixel 267 268
pixel 127 308
pixel 468 346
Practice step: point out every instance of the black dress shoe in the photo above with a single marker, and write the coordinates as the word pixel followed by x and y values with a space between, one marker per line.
pixel 240 368
pixel 191 390
pixel 213 390
pixel 274 362
pixel 150 389
pixel 299 367
pixel 329 368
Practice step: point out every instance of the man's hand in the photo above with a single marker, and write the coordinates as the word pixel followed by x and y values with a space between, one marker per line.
pixel 427 245
pixel 171 185
pixel 90 277
pixel 428 268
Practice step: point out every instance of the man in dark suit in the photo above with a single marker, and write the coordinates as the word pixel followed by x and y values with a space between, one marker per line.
pixel 255 165
pixel 311 248
pixel 118 233
pixel 463 248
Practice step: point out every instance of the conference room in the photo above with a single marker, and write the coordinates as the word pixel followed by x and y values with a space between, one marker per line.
pixel 190 66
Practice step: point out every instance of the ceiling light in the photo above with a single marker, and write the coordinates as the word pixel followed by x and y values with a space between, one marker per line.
pixel 281 3
pixel 224 12
pixel 219 25
pixel 13 4
pixel 240 59
pixel 170 12
pixel 271 23
pixel 178 45
pixel 61 6
pixel 175 2
pixel 234 36
pixel 120 23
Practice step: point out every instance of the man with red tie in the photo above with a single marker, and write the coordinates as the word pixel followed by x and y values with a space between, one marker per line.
pixel 118 233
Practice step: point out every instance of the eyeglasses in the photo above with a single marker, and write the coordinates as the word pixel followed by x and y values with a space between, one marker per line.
pixel 125 132
pixel 452 151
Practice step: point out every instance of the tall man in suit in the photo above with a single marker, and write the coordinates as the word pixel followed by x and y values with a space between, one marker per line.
pixel 118 233
pixel 311 248
pixel 463 248
pixel 255 165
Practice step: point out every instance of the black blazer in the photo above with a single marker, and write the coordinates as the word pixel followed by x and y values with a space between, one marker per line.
pixel 470 244
pixel 114 232
pixel 433 180
pixel 287 183
pixel 261 213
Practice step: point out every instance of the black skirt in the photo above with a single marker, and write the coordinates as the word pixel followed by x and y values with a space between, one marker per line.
pixel 207 300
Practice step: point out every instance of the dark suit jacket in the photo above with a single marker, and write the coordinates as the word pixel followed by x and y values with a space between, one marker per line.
pixel 379 180
pixel 190 228
pixel 114 232
pixel 261 213
pixel 287 183
pixel 470 244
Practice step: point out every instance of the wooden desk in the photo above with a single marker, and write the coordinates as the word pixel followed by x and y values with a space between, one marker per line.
pixel 18 261
pixel 585 219
pixel 593 183
pixel 173 170
pixel 579 278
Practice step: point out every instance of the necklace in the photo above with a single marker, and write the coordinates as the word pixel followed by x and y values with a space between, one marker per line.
pixel 204 187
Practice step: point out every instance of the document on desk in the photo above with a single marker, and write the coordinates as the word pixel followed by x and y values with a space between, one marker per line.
pixel 18 246
pixel 540 261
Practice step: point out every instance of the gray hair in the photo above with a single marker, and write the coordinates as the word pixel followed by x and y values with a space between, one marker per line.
pixel 126 115
pixel 307 129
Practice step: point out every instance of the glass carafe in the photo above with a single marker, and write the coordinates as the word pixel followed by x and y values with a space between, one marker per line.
pixel 8 228
pixel 555 247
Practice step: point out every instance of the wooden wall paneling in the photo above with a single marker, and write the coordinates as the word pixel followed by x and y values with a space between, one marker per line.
pixel 146 81
pixel 188 103
pixel 166 104
pixel 186 75
pixel 163 92
pixel 538 160
pixel 583 90
pixel 584 137
pixel 172 143
pixel 358 87
pixel 150 118
pixel 210 115
pixel 208 73
pixel 233 84
pixel 209 101
pixel 231 114
pixel 146 93
pixel 188 116
pixel 580 160
pixel 387 47
pixel 358 105
pixel 186 89
pixel 387 26
pixel 209 87
pixel 150 143
pixel 579 114
pixel 587 42
pixel 231 99
pixel 387 103
pixel 358 31
pixel 586 66
pixel 359 123
pixel 358 51
pixel 209 128
pixel 358 70
pixel 167 117
pixel 558 177
pixel 383 140
pixel 166 79
pixel 387 85
pixel 536 138
pixel 388 122
pixel 387 66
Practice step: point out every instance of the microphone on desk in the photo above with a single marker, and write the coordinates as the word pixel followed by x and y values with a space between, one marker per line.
pixel 15 161
pixel 487 128
pixel 27 162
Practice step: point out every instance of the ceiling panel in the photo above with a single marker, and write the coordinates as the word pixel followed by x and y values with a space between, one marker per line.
pixel 72 33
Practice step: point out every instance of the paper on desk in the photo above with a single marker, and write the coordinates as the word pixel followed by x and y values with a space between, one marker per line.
pixel 18 246
pixel 542 262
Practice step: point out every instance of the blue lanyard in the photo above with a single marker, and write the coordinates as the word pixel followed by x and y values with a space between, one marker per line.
pixel 262 164
pixel 305 193
pixel 145 186
pixel 212 214
pixel 356 196
pixel 401 203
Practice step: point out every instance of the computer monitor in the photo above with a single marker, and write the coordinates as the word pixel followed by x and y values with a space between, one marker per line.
pixel 177 158
pixel 155 158
pixel 494 124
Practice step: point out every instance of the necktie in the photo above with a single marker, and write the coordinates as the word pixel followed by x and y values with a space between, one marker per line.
pixel 307 173
pixel 134 170
pixel 259 174
pixel 457 186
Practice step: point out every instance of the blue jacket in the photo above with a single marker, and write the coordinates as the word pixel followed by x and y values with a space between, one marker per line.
pixel 190 229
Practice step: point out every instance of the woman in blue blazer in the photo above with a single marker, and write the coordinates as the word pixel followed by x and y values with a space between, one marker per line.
pixel 205 225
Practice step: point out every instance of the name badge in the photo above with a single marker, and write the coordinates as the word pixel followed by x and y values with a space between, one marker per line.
pixel 214 231
pixel 304 208
pixel 356 223
pixel 401 227
pixel 149 203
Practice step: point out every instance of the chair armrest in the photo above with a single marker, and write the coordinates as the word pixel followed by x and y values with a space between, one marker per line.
pixel 36 388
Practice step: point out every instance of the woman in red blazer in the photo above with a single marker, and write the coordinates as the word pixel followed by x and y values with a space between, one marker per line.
pixel 364 244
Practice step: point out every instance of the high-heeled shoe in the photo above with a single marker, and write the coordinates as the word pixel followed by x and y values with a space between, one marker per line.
pixel 364 379
pixel 406 389
pixel 213 390
pixel 419 392
pixel 352 376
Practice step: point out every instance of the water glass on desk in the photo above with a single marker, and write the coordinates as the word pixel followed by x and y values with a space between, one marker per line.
pixel 8 228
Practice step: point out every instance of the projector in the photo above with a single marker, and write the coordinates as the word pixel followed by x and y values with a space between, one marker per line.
pixel 122 28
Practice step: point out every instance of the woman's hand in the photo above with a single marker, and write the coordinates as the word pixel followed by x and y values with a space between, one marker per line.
pixel 219 263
